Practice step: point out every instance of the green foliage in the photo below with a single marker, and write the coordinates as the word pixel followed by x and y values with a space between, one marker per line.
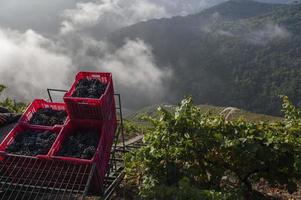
pixel 11 105
pixel 189 154
pixel 291 113
pixel 132 129
pixel 2 87
pixel 186 191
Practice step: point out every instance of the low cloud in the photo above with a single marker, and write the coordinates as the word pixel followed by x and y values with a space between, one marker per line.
pixel 136 73
pixel 109 13
pixel 261 35
pixel 45 16
pixel 225 33
pixel 210 25
pixel 268 33
pixel 30 63
pixel 180 7
pixel 137 76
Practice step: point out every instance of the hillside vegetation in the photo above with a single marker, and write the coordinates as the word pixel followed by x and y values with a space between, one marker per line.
pixel 189 154
pixel 215 110
pixel 238 53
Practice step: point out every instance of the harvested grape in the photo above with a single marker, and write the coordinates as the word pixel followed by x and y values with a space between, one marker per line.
pixel 80 145
pixel 89 88
pixel 48 117
pixel 32 143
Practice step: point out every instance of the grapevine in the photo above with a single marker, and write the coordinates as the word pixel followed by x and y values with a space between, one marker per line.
pixel 195 155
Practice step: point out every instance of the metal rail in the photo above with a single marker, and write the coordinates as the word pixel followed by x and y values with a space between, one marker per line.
pixel 32 178
pixel 49 90
pixel 115 174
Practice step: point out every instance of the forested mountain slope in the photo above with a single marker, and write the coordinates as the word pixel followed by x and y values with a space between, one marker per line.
pixel 240 53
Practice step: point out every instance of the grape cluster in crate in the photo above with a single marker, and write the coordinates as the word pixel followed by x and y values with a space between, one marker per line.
pixel 80 130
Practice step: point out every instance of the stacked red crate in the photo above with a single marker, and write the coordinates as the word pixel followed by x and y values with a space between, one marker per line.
pixel 90 108
pixel 83 113
pixel 100 112
pixel 18 129
pixel 24 124
pixel 35 106
pixel 70 128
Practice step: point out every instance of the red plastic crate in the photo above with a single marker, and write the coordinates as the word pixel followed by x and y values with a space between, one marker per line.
pixel 109 130
pixel 28 172
pixel 35 106
pixel 102 154
pixel 9 139
pixel 89 108
pixel 69 129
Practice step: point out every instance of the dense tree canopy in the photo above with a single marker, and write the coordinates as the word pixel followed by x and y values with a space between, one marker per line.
pixel 239 53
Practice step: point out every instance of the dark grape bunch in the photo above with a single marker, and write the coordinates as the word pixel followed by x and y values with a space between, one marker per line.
pixel 89 88
pixel 80 145
pixel 48 117
pixel 32 143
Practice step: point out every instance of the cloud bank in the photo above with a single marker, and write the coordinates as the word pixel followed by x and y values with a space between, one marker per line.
pixel 113 14
pixel 110 13
pixel 46 16
pixel 261 35
pixel 30 64
pixel 136 73
pixel 267 34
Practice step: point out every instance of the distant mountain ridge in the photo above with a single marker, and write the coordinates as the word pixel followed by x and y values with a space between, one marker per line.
pixel 230 10
pixel 239 53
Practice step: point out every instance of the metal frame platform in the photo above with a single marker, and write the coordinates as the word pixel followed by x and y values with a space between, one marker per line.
pixel 115 173
pixel 30 178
